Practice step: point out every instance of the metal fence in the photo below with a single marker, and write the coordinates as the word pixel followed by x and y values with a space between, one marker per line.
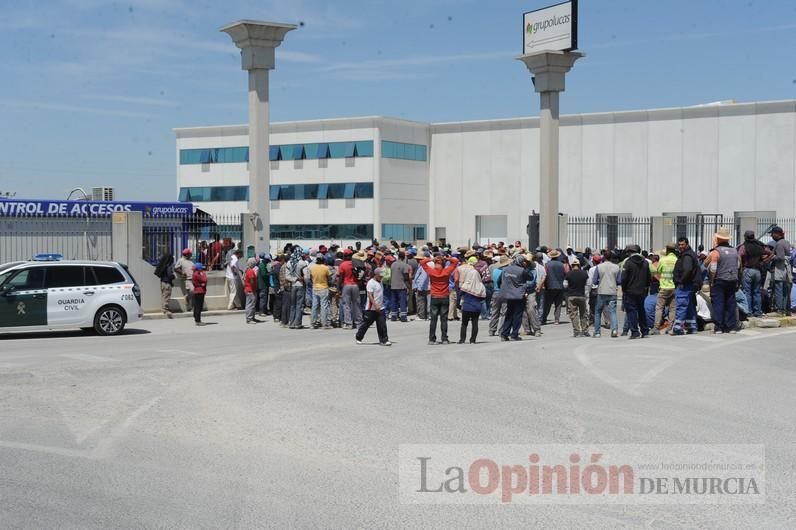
pixel 84 238
pixel 209 238
pixel 609 231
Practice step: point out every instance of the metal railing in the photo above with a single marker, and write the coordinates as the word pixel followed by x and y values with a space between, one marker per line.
pixel 79 238
pixel 608 232
pixel 208 238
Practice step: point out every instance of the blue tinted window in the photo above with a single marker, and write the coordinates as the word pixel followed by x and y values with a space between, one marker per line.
pixel 218 193
pixel 221 155
pixel 273 153
pixel 286 152
pixel 350 149
pixel 287 193
pixel 403 232
pixel 342 231
pixel 322 151
pixel 274 193
pixel 420 156
pixel 323 191
pixel 403 151
pixel 365 148
pixel 337 150
pixel 349 191
pixel 363 190
pixel 336 191
pixel 298 152
pixel 310 151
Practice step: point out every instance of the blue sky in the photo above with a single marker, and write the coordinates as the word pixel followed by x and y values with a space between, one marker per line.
pixel 92 89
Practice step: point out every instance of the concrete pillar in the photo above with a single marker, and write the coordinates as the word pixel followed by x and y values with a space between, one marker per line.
pixel 549 70
pixel 662 231
pixel 258 41
pixel 563 231
pixel 127 239
pixel 744 224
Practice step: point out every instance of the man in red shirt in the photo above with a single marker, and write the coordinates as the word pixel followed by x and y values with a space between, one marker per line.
pixel 439 275
pixel 250 288
pixel 348 286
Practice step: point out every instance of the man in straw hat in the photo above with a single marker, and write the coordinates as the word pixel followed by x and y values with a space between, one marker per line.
pixel 553 285
pixel 498 307
pixel 723 264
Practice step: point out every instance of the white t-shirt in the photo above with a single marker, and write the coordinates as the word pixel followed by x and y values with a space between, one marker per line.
pixel 232 268
pixel 378 294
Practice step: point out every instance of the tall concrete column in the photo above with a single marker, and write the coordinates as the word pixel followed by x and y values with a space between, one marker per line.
pixel 258 41
pixel 549 70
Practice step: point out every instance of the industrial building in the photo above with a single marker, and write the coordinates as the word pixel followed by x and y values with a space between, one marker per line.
pixel 357 178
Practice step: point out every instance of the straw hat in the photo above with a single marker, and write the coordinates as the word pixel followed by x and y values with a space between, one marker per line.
pixel 469 253
pixel 360 255
pixel 554 254
pixel 723 233
pixel 503 261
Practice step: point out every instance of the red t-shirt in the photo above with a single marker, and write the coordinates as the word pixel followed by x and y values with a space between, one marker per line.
pixel 250 281
pixel 439 279
pixel 346 272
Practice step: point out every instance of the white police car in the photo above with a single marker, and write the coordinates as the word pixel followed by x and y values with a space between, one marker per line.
pixel 49 293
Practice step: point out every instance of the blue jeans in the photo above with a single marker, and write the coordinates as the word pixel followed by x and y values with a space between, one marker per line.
pixel 605 300
pixel 752 282
pixel 263 295
pixel 398 305
pixel 297 309
pixel 634 307
pixel 782 290
pixel 320 304
pixel 725 309
pixel 685 316
pixel 387 297
pixel 513 320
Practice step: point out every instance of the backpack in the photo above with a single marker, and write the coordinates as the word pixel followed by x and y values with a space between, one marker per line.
pixel 360 274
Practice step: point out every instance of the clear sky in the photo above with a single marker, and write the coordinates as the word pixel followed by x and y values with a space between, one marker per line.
pixel 91 89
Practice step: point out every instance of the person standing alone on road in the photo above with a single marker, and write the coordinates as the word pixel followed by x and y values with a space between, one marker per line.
pixel 783 273
pixel 199 280
pixel 374 310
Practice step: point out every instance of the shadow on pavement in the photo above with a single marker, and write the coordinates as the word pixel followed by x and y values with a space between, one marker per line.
pixel 65 334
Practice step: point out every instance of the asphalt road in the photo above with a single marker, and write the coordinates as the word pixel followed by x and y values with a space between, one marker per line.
pixel 235 426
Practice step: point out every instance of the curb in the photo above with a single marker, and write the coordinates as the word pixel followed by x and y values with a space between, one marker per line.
pixel 219 312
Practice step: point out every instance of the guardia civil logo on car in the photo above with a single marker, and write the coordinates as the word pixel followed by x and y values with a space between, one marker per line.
pixel 50 293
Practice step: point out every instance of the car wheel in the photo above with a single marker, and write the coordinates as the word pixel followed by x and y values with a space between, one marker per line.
pixel 109 320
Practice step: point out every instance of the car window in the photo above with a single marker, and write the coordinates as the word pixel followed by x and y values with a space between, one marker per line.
pixel 27 279
pixel 108 275
pixel 64 276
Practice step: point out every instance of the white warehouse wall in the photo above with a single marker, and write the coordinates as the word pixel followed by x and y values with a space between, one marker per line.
pixel 712 159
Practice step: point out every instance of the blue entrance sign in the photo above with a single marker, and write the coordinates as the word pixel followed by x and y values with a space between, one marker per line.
pixel 25 207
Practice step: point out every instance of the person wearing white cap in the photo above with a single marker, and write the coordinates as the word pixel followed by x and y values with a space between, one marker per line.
pixel 374 310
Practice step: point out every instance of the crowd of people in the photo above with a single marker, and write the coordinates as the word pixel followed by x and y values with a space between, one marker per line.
pixel 673 291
